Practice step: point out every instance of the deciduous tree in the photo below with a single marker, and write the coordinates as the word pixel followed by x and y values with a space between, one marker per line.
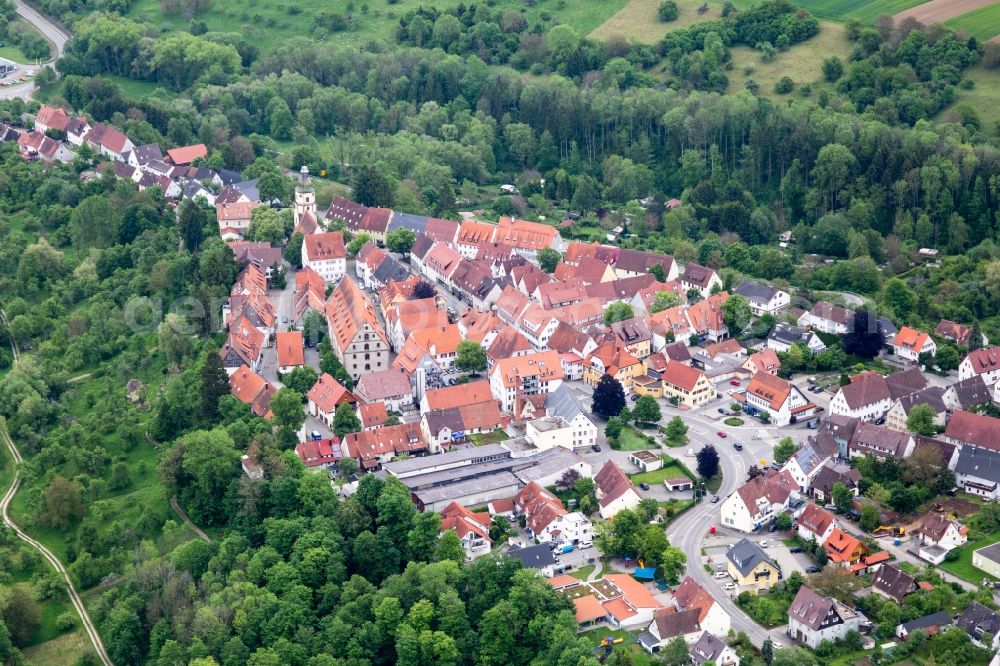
pixel 708 462
pixel 609 397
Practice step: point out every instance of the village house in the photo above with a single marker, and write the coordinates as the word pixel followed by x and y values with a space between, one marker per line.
pixel 442 427
pixel 635 335
pixel 372 415
pixel 967 429
pixel 827 318
pixel 615 490
pixel 51 118
pixel 290 350
pixel 616 599
pixel 866 397
pixel 815 523
pixel 707 319
pixel 36 145
pixel 185 155
pixel 781 401
pixel 319 454
pixel 701 279
pixel 813 618
pixel 686 386
pixel 630 263
pixel 234 218
pixel 325 396
pixel 758 501
pixel 533 374
pixel 832 473
pixel 244 346
pixel 763 299
pixel 928 625
pixel 611 358
pixel 668 624
pixel 751 568
pixel 957 333
pixel 325 254
pixel 932 396
pixel 251 389
pixel 977 472
pixel 472 528
pixel 346 211
pixel 967 394
pixel 939 534
pixel 373 448
pixel 806 463
pixel 980 622
pixel 547 520
pixel 109 141
pixel 783 336
pixel 893 583
pixel 843 549
pixel 709 649
pixel 982 363
pixel 765 361
pixel 711 616
pixel 356 337
pixel 879 441
pixel 563 403
pixel 391 387
pixel 910 344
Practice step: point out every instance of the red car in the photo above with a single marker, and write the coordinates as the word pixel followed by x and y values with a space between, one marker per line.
pixel 734 382
pixel 722 434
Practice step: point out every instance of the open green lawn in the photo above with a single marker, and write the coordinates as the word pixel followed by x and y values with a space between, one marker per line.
pixel 583 572
pixel 981 23
pixel 714 483
pixel 495 437
pixel 639 21
pixel 270 22
pixel 865 11
pixel 630 440
pixel 669 470
pixel 65 650
pixel 639 656
pixel 11 51
pixel 962 567
pixel 50 610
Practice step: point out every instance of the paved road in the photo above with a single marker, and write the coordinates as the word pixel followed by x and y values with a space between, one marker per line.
pixel 88 625
pixel 51 30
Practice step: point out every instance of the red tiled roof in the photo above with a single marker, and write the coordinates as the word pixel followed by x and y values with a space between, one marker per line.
pixel 681 375
pixel 327 393
pixel 984 360
pixel 398 439
pixel 314 453
pixel 290 349
pixel 329 245
pixel 373 414
pixel 613 483
pixel 771 388
pixel 974 429
pixel 252 389
pixel 187 154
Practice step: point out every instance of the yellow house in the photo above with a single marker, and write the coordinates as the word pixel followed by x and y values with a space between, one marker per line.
pixel 751 568
pixel 689 386
pixel 612 359
pixel 648 385
pixel 635 335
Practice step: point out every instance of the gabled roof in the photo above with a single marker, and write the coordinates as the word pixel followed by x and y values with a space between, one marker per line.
pixel 252 389
pixel 869 437
pixel 971 392
pixel 457 517
pixel 690 595
pixel 383 385
pixel 939 619
pixel 562 402
pixel 905 382
pixel 631 331
pixel 507 343
pixel 893 582
pixel 831 312
pixel 954 331
pixel 756 291
pixel 328 393
pixel 977 620
pixel 458 395
pixel 867 389
pixel 936 525
pixel 329 245
pixel 481 416
pixel 831 473
pixel 745 555
pixel 697 275
pixel 52 117
pixel 984 360
pixel 707 315
pixel 638 261
pixel 290 348
pixel 524 234
pixel 681 375
pixel 543 365
pixel 707 648
pixel 613 483
pixel 809 608
pixel 344 209
pixel 397 439
pixel 772 389
pixel 784 332
pixel 841 546
pixel 567 338
pixel 314 453
pixel 187 154
pixel 613 357
pixel 474 233
pixel 677 351
pixel 979 463
pixel 671 623
pixel 772 486
pixel 539 506
pixel 347 311
pixel 766 360
pixel 815 519
pixel 974 429
pixel 245 340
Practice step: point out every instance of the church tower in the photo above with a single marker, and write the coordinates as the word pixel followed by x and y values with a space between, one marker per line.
pixel 305 197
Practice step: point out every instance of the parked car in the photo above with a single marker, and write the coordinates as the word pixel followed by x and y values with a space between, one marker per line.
pixel 795 549
pixel 734 382
pixel 813 569
pixel 719 574
pixel 635 396
pixel 772 527
pixel 586 544
pixel 596 448
pixel 722 410
pixel 715 499
pixel 737 446
pixel 644 486
pixel 729 586
pixel 722 434
pixel 568 548
pixel 763 543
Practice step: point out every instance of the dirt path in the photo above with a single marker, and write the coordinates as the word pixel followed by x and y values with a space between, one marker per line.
pixel 187 521
pixel 88 625
pixel 78 378
pixel 13 343
pixel 939 11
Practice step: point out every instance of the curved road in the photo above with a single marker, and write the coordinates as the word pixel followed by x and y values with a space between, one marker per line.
pixel 88 624
pixel 52 31
pixel 688 531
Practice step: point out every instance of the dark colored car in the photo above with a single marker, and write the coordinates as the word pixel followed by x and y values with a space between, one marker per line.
pixel 813 569
pixel 596 448
pixel 772 527
pixel 795 549
pixel 737 446
pixel 644 486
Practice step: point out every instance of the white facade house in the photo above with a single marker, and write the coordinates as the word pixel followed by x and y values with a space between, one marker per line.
pixel 549 431
pixel 910 344
pixel 325 254
pixel 866 398
pixel 781 400
pixel 615 491
pixel 813 618
pixel 763 299
pixel 756 502
pixel 982 363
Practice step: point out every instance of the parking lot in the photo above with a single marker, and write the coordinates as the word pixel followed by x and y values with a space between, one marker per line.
pixel 717 546
pixel 13 74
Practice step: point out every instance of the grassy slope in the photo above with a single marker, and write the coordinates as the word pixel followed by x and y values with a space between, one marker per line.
pixel 270 23
pixel 638 20
pixel 982 98
pixel 66 650
pixel 982 23
pixel 865 11
pixel 13 52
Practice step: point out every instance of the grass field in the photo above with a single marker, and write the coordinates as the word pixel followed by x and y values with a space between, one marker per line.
pixel 982 98
pixel 270 22
pixel 802 63
pixel 630 440
pixel 495 437
pixel 639 21
pixel 12 52
pixel 66 650
pixel 962 567
pixel 583 572
pixel 865 11
pixel 669 470
pixel 639 656
pixel 981 23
